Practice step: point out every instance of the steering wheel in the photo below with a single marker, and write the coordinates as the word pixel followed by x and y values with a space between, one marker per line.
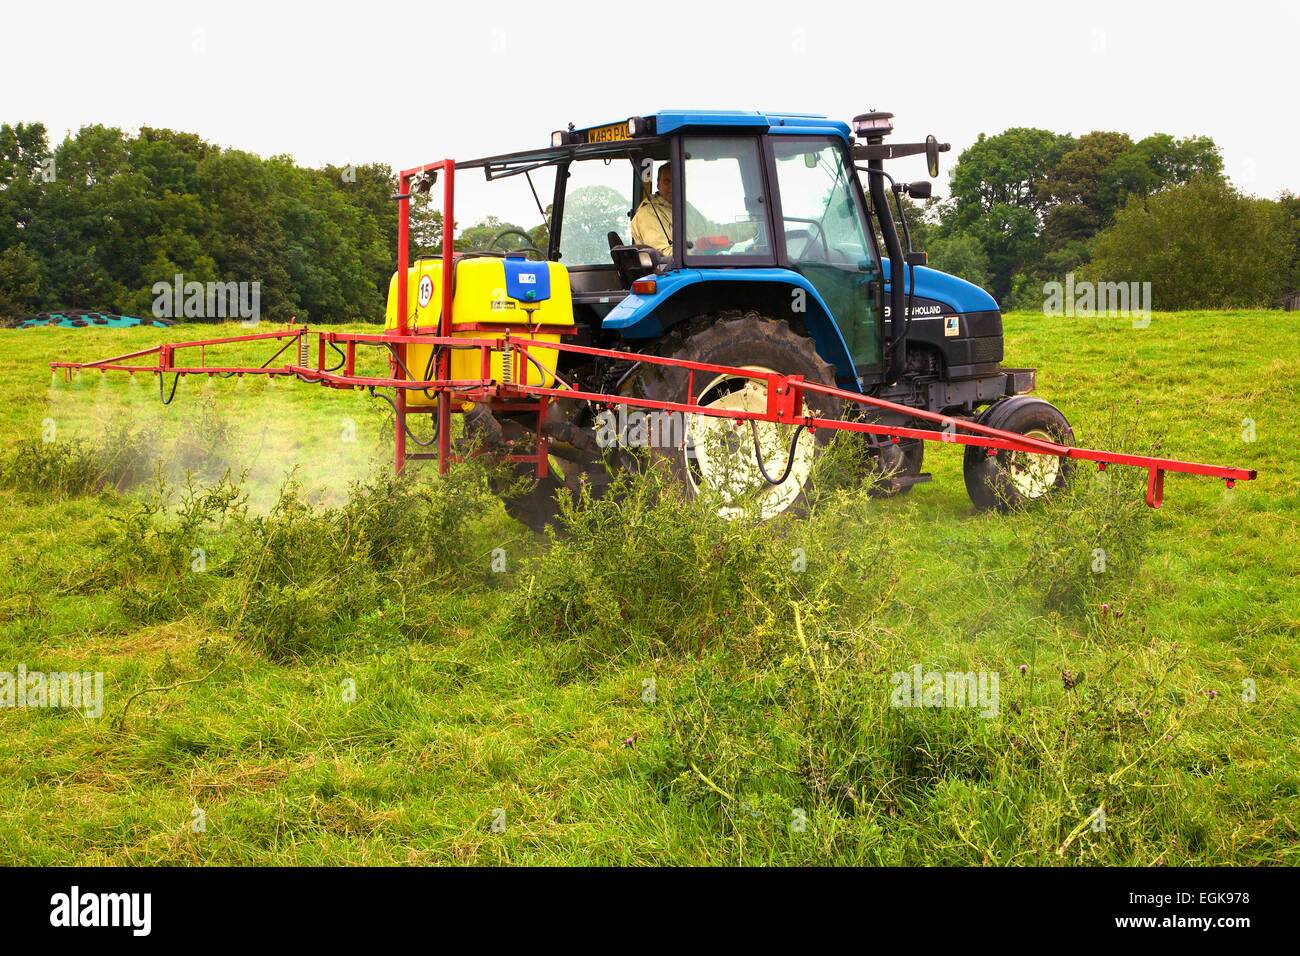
pixel 821 233
pixel 793 234
pixel 512 231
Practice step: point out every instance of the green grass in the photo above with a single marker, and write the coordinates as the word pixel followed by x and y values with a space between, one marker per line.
pixel 527 690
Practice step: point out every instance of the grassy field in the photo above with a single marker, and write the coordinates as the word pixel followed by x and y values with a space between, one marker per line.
pixel 331 670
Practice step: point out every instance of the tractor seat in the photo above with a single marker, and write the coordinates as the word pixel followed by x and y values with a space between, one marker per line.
pixel 633 262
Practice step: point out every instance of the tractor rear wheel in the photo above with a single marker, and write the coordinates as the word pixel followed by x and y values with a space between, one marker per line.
pixel 718 454
pixel 1013 479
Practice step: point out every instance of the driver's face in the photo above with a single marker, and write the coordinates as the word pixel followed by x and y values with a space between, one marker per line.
pixel 666 182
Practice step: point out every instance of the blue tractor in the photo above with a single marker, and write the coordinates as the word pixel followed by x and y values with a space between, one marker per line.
pixel 769 241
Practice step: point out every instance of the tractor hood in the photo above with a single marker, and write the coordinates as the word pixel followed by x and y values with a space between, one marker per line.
pixel 956 294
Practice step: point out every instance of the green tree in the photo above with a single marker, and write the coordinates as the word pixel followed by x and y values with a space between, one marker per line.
pixel 1009 169
pixel 1074 187
pixel 478 237
pixel 1010 238
pixel 20 282
pixel 370 189
pixel 124 212
pixel 1201 245
pixel 247 236
pixel 1290 205
pixel 960 255
pixel 1158 161
pixel 426 226
pixel 24 152
pixel 999 196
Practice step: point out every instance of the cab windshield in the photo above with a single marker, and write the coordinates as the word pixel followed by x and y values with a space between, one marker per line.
pixel 600 195
pixel 597 198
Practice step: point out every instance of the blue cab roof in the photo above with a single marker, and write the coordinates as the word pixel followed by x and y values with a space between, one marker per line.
pixel 669 121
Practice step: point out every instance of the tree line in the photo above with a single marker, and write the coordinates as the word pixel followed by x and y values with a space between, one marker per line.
pixel 1029 206
pixel 98 220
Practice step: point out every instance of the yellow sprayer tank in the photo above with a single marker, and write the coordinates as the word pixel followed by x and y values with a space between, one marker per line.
pixel 492 295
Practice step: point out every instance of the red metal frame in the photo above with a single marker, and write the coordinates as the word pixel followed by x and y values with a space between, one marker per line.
pixel 785 392
pixel 447 167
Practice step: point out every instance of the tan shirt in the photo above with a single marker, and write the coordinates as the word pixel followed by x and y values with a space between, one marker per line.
pixel 652 225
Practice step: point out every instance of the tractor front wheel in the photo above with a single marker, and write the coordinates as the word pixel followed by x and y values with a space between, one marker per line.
pixel 1012 479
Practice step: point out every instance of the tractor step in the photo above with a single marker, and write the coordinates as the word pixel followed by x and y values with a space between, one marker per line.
pixel 907 481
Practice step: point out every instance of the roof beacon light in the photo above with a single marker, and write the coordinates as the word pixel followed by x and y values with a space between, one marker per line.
pixel 873 124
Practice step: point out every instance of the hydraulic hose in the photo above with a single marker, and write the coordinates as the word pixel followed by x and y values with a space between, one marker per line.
pixel 405 427
pixel 789 463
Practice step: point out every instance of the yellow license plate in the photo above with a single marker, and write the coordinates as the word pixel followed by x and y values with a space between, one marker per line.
pixel 608 134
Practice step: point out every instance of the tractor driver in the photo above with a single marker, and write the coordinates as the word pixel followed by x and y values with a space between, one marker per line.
pixel 653 223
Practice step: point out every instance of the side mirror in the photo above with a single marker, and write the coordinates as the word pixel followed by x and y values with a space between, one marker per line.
pixel 932 156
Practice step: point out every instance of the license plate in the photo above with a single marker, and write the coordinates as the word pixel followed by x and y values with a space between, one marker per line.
pixel 608 134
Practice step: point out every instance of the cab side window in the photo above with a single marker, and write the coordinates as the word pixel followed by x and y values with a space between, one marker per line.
pixel 725 213
pixel 821 219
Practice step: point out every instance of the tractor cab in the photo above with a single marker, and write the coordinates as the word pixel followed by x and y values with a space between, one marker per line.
pixel 642 207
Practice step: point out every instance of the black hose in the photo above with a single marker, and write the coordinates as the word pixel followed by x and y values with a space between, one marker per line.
pixel 545 371
pixel 405 427
pixel 758 455
pixel 911 272
pixel 433 354
pixel 343 359
pixel 175 381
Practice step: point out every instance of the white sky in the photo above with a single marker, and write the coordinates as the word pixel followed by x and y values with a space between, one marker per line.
pixel 321 81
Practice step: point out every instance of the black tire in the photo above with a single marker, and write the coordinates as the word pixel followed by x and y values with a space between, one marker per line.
pixel 528 499
pixel 537 507
pixel 1010 480
pixel 752 340
pixel 535 504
